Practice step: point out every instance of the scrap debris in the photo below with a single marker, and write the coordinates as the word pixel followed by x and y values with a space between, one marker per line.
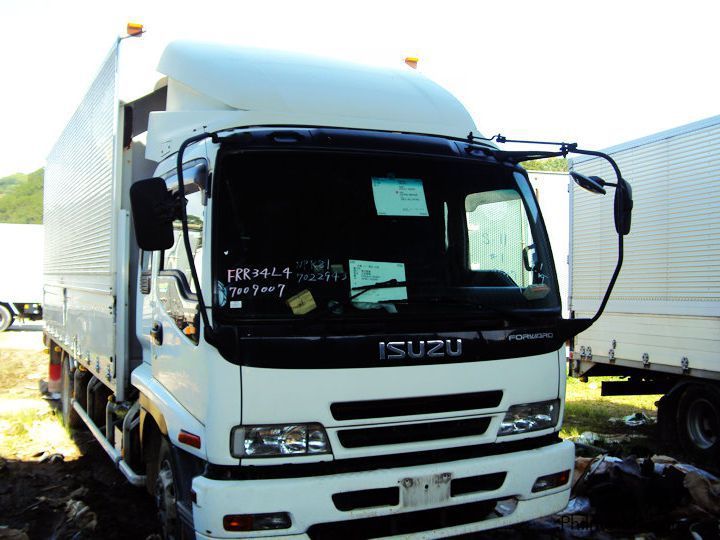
pixel 636 496
pixel 633 420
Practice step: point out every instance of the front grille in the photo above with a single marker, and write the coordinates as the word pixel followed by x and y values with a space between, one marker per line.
pixel 475 484
pixel 406 523
pixel 383 408
pixel 409 433
pixel 366 498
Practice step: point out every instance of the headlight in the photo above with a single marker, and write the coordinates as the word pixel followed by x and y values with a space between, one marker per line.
pixel 530 417
pixel 283 440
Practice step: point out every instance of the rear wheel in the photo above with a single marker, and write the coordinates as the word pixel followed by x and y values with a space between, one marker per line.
pixel 698 422
pixel 6 317
pixel 70 417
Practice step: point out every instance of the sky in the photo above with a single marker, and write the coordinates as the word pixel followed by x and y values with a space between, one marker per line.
pixel 596 73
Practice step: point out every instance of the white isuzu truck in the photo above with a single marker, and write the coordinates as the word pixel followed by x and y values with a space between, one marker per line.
pixel 661 330
pixel 301 297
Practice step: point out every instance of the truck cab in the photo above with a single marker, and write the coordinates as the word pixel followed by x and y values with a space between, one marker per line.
pixel 382 310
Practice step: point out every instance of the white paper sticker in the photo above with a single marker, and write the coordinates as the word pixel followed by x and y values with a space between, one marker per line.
pixel 236 304
pixel 399 197
pixel 364 273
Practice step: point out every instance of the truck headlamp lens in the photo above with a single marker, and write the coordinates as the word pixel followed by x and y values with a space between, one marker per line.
pixel 278 440
pixel 530 417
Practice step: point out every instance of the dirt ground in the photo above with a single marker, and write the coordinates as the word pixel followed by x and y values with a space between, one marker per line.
pixel 52 485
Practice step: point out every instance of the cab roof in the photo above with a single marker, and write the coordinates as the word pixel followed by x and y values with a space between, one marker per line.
pixel 237 87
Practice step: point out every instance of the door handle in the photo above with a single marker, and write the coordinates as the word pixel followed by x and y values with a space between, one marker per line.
pixel 156 333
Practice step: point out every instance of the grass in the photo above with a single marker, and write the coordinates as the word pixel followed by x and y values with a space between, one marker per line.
pixel 28 424
pixel 587 410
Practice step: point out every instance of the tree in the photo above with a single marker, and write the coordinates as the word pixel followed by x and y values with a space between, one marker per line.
pixel 555 164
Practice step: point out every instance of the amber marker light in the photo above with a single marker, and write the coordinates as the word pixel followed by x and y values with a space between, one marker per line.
pixel 412 61
pixel 551 481
pixel 189 438
pixel 135 29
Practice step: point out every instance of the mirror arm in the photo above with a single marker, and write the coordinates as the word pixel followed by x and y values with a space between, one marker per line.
pixel 207 330
pixel 619 186
pixel 603 155
pixel 611 285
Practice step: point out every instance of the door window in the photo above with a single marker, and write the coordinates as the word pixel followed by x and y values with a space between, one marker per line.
pixel 498 233
pixel 176 289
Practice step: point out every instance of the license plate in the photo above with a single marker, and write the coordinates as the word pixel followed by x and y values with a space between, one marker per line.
pixel 425 490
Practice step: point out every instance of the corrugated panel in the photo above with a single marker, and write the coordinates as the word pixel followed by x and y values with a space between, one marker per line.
pixel 78 198
pixel 672 254
pixel 666 339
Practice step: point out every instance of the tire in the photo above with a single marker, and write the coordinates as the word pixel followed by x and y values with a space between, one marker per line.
pixel 70 418
pixel 6 317
pixel 80 383
pixel 698 423
pixel 166 493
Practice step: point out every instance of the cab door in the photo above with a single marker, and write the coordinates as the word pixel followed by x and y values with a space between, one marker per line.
pixel 174 330
pixel 144 308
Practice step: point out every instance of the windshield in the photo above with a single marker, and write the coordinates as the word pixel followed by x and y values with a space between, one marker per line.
pixel 366 236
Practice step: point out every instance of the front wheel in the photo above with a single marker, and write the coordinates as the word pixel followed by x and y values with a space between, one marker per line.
pixel 6 317
pixel 166 493
pixel 698 422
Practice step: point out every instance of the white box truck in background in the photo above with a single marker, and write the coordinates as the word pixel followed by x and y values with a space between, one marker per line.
pixel 340 318
pixel 21 273
pixel 661 328
pixel 551 190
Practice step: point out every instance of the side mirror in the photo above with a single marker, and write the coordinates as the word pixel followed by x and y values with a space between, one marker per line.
pixel 153 211
pixel 529 257
pixel 623 207
pixel 594 184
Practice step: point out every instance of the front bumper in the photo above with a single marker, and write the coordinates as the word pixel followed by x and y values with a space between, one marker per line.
pixel 309 501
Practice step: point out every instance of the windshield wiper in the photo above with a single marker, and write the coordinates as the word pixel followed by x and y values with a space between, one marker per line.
pixel 337 307
pixel 390 283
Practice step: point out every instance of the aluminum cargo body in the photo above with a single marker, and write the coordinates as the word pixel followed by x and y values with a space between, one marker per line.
pixel 87 234
pixel 664 313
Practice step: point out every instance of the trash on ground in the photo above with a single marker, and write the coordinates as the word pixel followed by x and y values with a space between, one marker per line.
pixel 80 515
pixel 588 437
pixel 12 534
pixel 633 420
pixel 638 496
pixel 51 458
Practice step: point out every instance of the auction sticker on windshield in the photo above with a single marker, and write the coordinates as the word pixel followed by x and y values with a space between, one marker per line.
pixel 302 303
pixel 367 273
pixel 399 197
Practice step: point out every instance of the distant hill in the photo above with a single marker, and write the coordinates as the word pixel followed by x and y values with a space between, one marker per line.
pixel 9 182
pixel 21 197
